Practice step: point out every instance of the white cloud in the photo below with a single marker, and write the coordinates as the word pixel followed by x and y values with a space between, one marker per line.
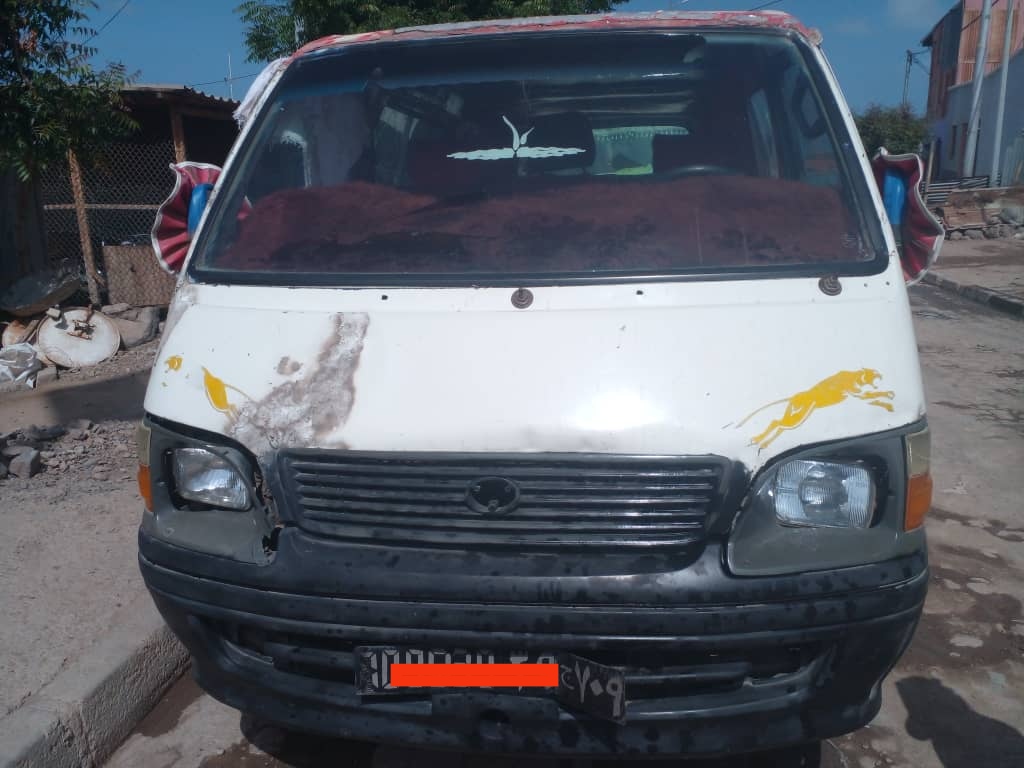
pixel 917 14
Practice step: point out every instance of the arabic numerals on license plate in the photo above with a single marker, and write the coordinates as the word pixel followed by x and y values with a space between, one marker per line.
pixel 591 687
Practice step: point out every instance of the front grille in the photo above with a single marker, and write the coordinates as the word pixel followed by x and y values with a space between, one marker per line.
pixel 564 502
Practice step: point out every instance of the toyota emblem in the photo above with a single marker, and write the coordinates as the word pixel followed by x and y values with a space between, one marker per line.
pixel 492 495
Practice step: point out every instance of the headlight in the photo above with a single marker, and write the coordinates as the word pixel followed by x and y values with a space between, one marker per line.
pixel 832 506
pixel 822 494
pixel 202 494
pixel 203 476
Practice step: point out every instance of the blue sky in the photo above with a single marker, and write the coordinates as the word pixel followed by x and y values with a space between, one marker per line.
pixel 189 41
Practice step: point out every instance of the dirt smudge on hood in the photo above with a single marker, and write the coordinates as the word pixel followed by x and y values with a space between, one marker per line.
pixel 308 410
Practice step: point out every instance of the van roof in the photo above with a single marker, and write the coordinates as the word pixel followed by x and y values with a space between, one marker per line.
pixel 777 20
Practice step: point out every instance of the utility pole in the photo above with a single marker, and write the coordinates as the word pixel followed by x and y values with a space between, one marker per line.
pixel 230 80
pixel 1001 104
pixel 906 79
pixel 980 61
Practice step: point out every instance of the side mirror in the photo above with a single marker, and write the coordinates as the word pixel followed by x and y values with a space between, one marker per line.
pixel 919 235
pixel 180 214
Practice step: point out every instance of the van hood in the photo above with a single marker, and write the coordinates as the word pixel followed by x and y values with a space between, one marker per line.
pixel 744 369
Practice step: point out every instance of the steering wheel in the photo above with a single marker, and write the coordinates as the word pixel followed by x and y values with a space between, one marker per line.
pixel 701 169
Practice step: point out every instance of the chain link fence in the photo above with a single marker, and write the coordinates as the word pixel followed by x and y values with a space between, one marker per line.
pixel 98 213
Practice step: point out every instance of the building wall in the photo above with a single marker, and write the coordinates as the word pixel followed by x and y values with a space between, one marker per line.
pixel 954 44
pixel 945 45
pixel 970 36
pixel 952 129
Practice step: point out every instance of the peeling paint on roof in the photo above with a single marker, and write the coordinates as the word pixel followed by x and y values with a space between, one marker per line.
pixel 777 20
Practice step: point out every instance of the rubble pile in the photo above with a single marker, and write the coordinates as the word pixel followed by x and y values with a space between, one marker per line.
pixel 96 452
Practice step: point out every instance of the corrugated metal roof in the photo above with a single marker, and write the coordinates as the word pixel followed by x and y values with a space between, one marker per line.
pixel 180 94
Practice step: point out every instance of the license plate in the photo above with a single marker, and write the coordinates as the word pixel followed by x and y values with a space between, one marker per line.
pixel 585 685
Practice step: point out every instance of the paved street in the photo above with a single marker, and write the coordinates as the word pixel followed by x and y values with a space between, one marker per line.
pixel 955 699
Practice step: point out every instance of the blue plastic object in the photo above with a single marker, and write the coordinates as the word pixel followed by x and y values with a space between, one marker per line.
pixel 894 196
pixel 197 204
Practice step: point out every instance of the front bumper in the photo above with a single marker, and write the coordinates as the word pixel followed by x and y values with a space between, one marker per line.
pixel 811 651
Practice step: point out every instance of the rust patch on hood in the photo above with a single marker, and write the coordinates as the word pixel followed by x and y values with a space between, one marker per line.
pixel 308 410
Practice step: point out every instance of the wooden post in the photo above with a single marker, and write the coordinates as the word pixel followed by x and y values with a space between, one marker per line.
pixel 178 134
pixel 77 189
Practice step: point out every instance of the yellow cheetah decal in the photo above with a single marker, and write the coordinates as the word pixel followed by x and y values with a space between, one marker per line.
pixel 831 391
pixel 217 394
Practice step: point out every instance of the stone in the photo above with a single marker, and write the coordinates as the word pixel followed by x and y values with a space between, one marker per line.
pixel 47 375
pixel 1012 214
pixel 956 235
pixel 77 434
pixel 35 433
pixel 1005 230
pixel 1019 236
pixel 11 451
pixel 82 424
pixel 3 470
pixel 991 233
pixel 25 465
pixel 150 316
pixel 975 234
pixel 100 475
pixel 135 333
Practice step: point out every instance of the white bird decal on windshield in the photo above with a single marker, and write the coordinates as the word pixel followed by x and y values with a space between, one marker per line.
pixel 518 149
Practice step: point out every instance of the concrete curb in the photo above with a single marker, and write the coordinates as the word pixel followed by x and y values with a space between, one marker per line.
pixel 82 715
pixel 1010 305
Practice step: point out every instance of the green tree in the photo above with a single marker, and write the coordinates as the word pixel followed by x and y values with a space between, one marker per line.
pixel 277 27
pixel 897 129
pixel 51 101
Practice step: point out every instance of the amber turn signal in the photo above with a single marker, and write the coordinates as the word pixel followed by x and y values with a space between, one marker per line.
pixel 145 481
pixel 145 487
pixel 919 479
pixel 919 501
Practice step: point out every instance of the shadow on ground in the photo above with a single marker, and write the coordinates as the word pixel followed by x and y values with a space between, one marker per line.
pixel 961 737
pixel 110 399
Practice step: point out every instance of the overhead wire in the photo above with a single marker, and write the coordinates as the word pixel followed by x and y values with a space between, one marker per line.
pixel 108 21
pixel 222 80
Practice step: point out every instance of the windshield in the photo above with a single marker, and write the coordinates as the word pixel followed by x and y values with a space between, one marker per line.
pixel 572 155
